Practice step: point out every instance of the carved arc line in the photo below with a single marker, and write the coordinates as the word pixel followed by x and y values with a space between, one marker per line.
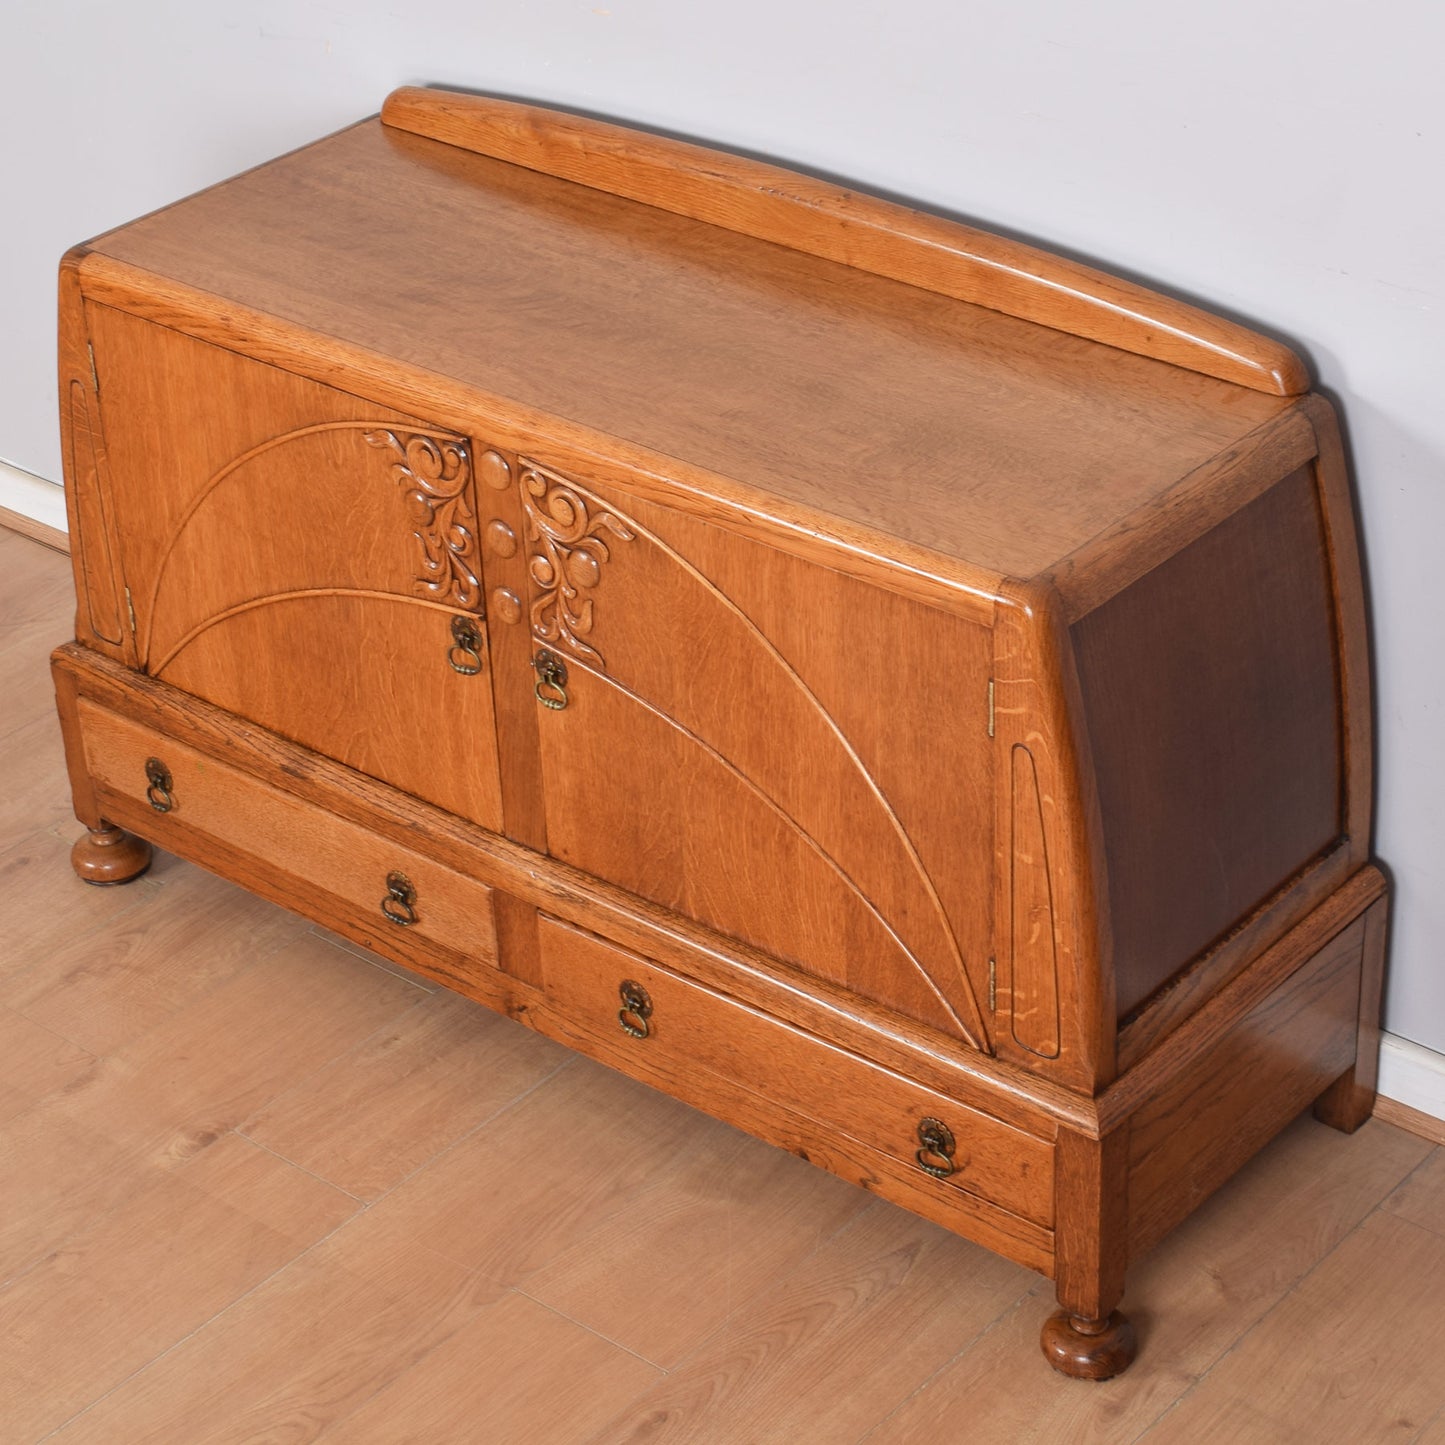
pixel 215 481
pixel 829 722
pixel 1032 806
pixel 90 498
pixel 271 598
pixel 981 1044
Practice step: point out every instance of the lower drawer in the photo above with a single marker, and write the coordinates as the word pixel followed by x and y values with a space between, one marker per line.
pixel 363 885
pixel 652 1022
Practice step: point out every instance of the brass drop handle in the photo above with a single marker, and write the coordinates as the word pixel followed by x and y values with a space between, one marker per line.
pixel 399 905
pixel 160 789
pixel 936 1155
pixel 551 686
pixel 465 653
pixel 636 1009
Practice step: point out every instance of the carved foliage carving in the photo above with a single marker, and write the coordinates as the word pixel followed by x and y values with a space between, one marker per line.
pixel 566 531
pixel 434 473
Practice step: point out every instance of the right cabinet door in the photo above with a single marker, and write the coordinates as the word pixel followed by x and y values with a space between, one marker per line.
pixel 793 757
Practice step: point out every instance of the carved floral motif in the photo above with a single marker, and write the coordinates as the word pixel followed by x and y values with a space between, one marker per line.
pixel 565 528
pixel 434 472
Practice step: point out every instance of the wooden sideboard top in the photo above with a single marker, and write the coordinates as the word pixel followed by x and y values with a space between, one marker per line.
pixel 844 396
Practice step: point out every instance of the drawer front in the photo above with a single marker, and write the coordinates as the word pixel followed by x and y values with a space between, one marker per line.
pixel 684 1027
pixel 325 867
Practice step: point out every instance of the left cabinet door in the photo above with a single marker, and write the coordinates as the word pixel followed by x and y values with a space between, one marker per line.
pixel 303 558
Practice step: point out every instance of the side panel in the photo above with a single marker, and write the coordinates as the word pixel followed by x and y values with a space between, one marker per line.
pixel 1219 1109
pixel 1211 697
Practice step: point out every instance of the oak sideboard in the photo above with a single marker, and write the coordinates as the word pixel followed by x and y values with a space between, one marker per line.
pixel 892 688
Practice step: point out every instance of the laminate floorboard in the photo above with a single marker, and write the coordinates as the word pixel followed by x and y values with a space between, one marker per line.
pixel 257 1186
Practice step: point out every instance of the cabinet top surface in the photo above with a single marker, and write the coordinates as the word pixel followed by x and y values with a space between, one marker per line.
pixel 973 434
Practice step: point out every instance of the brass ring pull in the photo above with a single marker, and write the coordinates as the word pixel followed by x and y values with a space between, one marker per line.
pixel 551 687
pixel 636 1009
pixel 399 905
pixel 159 787
pixel 465 653
pixel 936 1155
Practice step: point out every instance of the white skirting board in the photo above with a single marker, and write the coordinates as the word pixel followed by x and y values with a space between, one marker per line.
pixel 1412 1075
pixel 1409 1074
pixel 32 496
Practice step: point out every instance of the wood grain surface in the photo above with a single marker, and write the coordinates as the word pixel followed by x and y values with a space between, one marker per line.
pixel 829 665
pixel 203 1040
pixel 824 220
pixel 1211 700
pixel 851 397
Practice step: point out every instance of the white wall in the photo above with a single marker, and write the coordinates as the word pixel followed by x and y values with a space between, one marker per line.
pixel 1275 159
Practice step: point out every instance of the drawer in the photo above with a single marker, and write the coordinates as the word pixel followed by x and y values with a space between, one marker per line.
pixel 273 842
pixel 691 1028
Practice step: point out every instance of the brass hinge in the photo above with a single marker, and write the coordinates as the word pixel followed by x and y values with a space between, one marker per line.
pixel 130 607
pixel 993 985
pixel 94 374
pixel 990 707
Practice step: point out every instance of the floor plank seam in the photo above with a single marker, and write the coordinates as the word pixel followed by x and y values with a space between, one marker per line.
pixel 1293 1288
pixel 462 1138
pixel 469 1274
pixel 330 1429
pixel 358 950
pixel 204 1325
pixel 1423 1164
pixel 1031 1292
pixel 240 1132
pixel 662 1370
pixel 98 1219
pixel 708 1340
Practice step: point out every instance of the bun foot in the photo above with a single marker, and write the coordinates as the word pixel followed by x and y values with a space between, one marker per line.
pixel 1089 1349
pixel 108 855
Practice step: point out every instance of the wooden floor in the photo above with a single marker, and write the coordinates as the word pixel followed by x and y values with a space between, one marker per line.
pixel 257 1187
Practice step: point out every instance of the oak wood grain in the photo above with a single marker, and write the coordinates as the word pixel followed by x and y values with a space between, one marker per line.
pixel 102 612
pixel 1415 1121
pixel 999 1088
pixel 964 652
pixel 1350 1100
pixel 809 215
pixel 1211 700
pixel 584 975
pixel 1200 1127
pixel 803 1354
pixel 855 397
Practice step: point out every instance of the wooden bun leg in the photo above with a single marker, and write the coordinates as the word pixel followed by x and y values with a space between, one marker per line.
pixel 108 855
pixel 1089 1349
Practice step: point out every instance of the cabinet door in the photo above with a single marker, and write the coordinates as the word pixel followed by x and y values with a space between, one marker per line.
pixel 303 558
pixel 786 754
